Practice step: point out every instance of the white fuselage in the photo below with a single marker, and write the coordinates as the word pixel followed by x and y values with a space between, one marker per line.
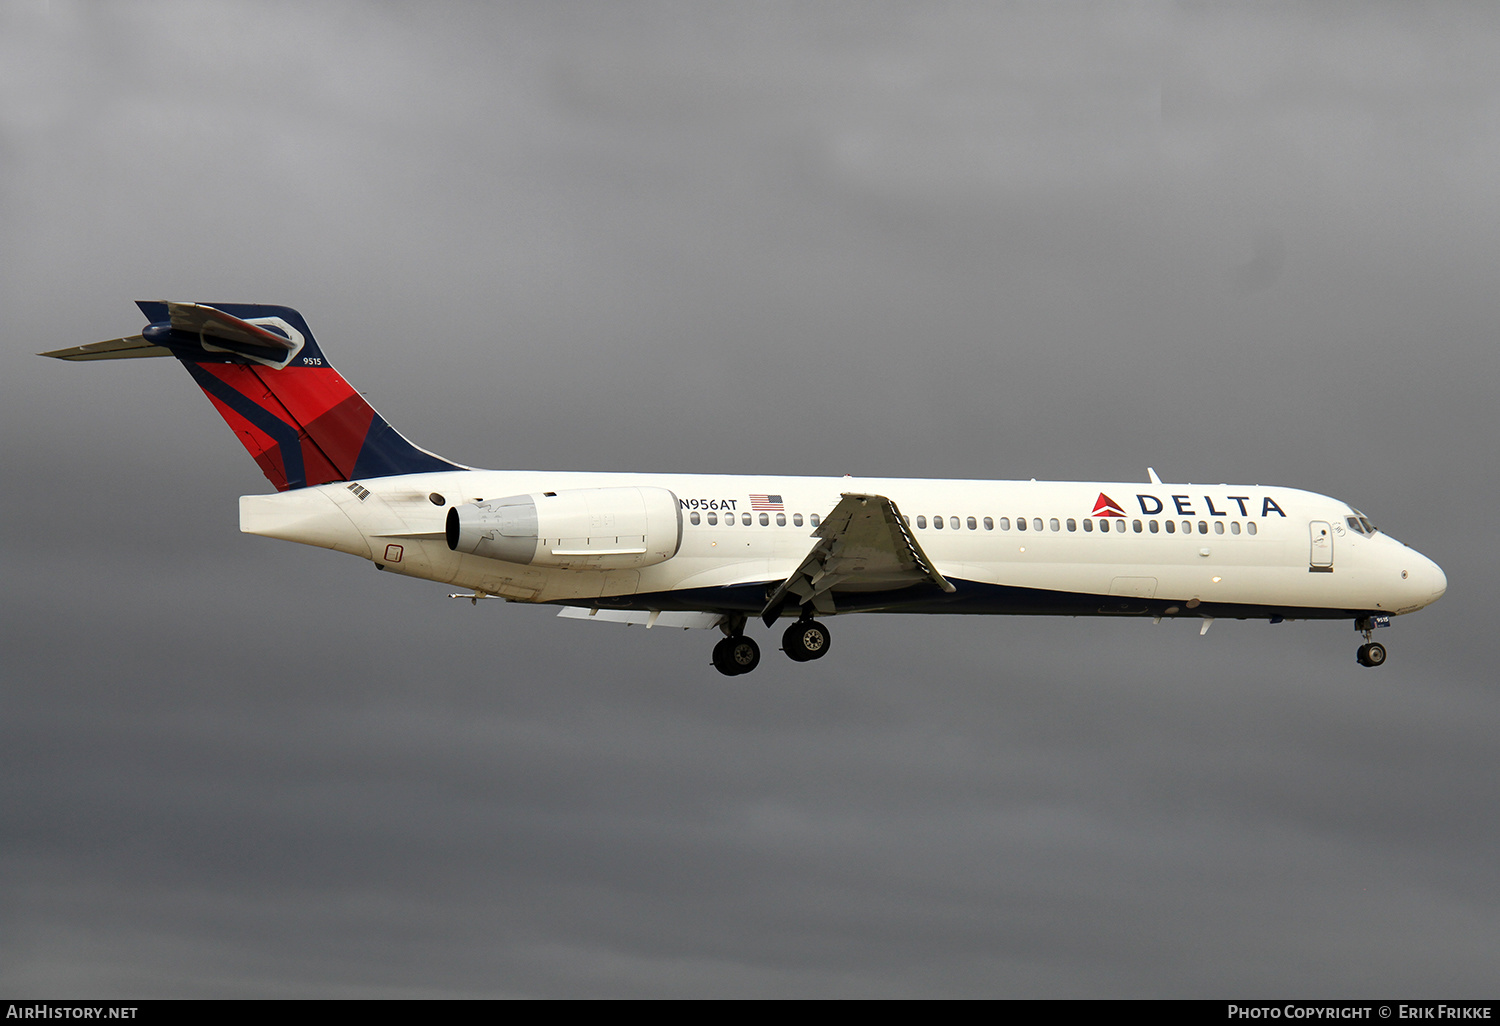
pixel 1162 548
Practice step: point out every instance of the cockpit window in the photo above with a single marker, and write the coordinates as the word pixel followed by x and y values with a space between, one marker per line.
pixel 1360 523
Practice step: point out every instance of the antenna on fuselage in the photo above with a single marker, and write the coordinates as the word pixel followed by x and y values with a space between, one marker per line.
pixel 1152 472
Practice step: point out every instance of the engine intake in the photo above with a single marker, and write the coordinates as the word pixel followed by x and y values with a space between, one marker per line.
pixel 576 529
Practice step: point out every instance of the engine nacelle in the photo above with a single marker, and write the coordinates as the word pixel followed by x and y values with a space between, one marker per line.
pixel 577 529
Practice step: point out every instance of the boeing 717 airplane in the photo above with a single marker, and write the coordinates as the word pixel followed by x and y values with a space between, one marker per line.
pixel 724 551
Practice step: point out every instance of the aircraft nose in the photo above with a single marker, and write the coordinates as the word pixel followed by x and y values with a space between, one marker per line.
pixel 1436 579
pixel 1428 579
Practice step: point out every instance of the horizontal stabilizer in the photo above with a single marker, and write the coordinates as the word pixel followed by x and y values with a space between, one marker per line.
pixel 201 320
pixel 250 338
pixel 195 330
pixel 112 349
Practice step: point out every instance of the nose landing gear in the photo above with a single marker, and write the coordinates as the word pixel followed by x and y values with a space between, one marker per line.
pixel 1371 653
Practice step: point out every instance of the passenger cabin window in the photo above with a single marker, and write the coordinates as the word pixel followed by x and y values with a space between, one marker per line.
pixel 953 523
pixel 1088 527
pixel 693 517
pixel 1218 527
pixel 1135 525
pixel 796 519
pixel 1072 524
pixel 1036 522
pixel 1155 527
pixel 973 524
pixel 1250 528
pixel 922 523
pixel 1187 527
pixel 745 518
pixel 1202 527
pixel 1053 523
pixel 1020 523
pixel 937 523
pixel 765 520
pixel 1234 528
pixel 1171 527
pixel 1005 523
pixel 989 523
pixel 781 520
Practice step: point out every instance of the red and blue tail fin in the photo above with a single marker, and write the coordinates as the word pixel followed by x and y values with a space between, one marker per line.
pixel 263 371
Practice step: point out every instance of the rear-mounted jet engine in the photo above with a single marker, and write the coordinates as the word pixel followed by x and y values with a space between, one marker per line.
pixel 576 529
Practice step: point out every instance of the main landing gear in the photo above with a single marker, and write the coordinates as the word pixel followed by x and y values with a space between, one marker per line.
pixel 803 641
pixel 736 654
pixel 1371 653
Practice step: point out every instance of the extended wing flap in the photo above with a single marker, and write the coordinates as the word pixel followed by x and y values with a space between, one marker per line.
pixel 863 544
pixel 651 618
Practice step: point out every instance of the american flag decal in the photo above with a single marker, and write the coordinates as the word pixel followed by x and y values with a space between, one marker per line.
pixel 766 504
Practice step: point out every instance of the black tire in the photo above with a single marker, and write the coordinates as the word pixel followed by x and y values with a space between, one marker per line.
pixel 1374 654
pixel 805 640
pixel 744 653
pixel 724 660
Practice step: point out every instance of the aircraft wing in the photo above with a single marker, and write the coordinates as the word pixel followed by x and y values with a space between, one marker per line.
pixel 862 545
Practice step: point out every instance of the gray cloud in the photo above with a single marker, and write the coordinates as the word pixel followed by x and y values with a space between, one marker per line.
pixel 1061 241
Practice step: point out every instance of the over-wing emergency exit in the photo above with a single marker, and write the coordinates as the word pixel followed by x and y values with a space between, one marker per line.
pixel 725 551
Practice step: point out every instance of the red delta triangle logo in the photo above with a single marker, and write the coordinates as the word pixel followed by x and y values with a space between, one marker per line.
pixel 1104 506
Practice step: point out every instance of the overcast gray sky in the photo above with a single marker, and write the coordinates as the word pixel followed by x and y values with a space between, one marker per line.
pixel 1246 243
